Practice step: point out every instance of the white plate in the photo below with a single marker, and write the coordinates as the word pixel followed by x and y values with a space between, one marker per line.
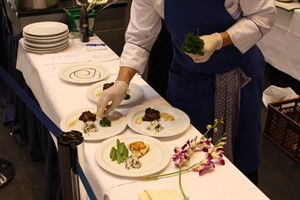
pixel 72 122
pixel 154 161
pixel 49 41
pixel 47 38
pixel 46 45
pixel 135 92
pixel 42 29
pixel 170 128
pixel 47 50
pixel 83 73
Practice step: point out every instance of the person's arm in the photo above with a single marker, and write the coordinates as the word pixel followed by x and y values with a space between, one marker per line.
pixel 142 31
pixel 226 39
pixel 256 20
pixel 126 74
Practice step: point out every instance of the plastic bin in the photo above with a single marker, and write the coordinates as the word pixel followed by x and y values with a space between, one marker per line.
pixel 74 16
pixel 283 126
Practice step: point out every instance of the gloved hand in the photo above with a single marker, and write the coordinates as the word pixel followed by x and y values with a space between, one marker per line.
pixel 111 98
pixel 211 43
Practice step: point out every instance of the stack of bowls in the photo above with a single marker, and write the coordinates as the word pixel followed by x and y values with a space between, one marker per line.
pixel 45 37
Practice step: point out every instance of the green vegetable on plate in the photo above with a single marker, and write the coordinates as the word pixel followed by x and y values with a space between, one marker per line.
pixel 120 153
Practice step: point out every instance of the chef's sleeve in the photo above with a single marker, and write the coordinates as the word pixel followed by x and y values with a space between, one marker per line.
pixel 141 33
pixel 258 17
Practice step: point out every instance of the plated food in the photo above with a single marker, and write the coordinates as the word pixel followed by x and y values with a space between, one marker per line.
pixel 84 120
pixel 133 94
pixel 141 159
pixel 158 121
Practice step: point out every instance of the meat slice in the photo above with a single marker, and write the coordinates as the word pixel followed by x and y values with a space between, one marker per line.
pixel 87 116
pixel 151 115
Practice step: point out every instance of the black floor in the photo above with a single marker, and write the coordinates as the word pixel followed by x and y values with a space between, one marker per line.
pixel 279 175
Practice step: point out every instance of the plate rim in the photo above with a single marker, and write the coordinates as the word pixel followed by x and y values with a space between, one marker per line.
pixel 101 83
pixel 95 65
pixel 41 51
pixel 141 108
pixel 58 24
pixel 108 141
pixel 63 121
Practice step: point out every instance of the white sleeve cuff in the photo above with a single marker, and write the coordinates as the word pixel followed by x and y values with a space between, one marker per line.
pixel 244 34
pixel 135 57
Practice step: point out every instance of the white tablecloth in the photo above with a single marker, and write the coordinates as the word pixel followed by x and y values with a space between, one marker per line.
pixel 58 98
pixel 281 46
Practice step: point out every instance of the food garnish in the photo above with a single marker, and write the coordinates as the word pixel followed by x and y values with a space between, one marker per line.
pixel 105 122
pixel 192 44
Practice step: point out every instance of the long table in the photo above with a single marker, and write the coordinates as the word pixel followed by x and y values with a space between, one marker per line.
pixel 281 45
pixel 58 98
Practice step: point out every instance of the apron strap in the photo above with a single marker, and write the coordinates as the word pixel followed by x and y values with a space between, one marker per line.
pixel 227 105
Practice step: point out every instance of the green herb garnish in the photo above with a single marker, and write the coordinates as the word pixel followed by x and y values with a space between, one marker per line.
pixel 104 122
pixel 127 96
pixel 192 44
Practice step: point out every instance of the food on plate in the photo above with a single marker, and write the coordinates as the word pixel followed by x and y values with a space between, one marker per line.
pixel 105 122
pixel 139 148
pixel 132 162
pixel 107 85
pixel 119 153
pixel 87 116
pixel 90 127
pixel 151 114
pixel 155 127
pixel 167 117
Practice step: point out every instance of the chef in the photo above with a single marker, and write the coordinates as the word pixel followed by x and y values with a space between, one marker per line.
pixel 226 82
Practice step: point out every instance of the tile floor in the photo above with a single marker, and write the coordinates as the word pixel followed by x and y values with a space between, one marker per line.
pixel 279 175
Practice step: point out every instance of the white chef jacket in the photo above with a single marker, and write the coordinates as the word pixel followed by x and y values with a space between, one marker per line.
pixel 254 18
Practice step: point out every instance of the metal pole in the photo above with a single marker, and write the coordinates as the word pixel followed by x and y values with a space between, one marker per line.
pixel 67 152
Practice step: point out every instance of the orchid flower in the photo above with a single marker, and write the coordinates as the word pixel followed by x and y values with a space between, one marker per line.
pixel 205 165
pixel 182 155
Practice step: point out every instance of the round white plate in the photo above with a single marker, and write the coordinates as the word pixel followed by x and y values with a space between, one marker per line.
pixel 46 45
pixel 72 122
pixel 47 50
pixel 47 38
pixel 154 161
pixel 170 128
pixel 47 28
pixel 83 73
pixel 135 92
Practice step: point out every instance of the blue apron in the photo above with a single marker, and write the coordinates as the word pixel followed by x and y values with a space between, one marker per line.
pixel 191 86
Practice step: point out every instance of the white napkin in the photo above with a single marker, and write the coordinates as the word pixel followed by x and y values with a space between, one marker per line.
pixel 274 94
pixel 159 195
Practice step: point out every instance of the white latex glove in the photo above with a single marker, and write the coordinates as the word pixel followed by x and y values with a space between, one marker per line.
pixel 211 43
pixel 111 98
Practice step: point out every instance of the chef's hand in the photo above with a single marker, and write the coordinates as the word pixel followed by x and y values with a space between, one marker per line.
pixel 111 98
pixel 211 43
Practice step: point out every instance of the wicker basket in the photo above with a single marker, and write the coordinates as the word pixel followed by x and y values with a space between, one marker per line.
pixel 283 126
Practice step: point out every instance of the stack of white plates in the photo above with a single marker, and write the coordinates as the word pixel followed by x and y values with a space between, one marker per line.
pixel 45 37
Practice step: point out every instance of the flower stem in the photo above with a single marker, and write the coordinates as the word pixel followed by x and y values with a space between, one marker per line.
pixel 180 185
